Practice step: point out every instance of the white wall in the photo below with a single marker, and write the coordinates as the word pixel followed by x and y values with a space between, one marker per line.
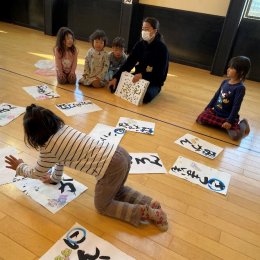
pixel 214 7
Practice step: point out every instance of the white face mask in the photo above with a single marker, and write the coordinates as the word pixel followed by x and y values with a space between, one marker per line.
pixel 146 36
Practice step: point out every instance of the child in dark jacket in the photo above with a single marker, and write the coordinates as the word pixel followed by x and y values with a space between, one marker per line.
pixel 222 110
pixel 117 57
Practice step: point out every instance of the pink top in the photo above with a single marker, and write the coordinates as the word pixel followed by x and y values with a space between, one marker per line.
pixel 66 64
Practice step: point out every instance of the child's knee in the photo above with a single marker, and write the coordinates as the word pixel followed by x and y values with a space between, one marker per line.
pixel 62 80
pixel 72 80
pixel 100 206
pixel 96 84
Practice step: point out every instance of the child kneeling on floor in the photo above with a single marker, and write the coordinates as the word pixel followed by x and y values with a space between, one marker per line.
pixel 222 110
pixel 61 145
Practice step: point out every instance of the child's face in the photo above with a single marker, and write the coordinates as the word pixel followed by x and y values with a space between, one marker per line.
pixel 98 44
pixel 232 73
pixel 118 52
pixel 68 40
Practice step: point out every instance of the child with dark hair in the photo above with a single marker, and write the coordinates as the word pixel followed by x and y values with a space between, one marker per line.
pixel 222 110
pixel 117 57
pixel 96 61
pixel 61 145
pixel 66 56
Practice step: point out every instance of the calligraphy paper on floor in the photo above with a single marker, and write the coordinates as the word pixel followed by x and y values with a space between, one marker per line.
pixel 79 243
pixel 52 197
pixel 199 146
pixel 146 163
pixel 9 112
pixel 202 175
pixel 77 108
pixel 45 64
pixel 137 126
pixel 107 133
pixel 6 175
pixel 132 92
pixel 41 92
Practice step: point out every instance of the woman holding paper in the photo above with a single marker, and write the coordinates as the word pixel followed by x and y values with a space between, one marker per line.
pixel 150 59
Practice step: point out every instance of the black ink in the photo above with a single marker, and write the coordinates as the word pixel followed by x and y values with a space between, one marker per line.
pixel 83 256
pixel 71 186
pixel 185 141
pixel 209 153
pixel 6 108
pixel 142 160
pixel 74 244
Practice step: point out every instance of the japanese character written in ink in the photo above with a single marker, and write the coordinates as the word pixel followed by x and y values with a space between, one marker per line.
pixel 144 159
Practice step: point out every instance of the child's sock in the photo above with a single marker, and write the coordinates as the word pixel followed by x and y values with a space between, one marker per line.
pixel 244 126
pixel 244 130
pixel 156 215
pixel 235 134
pixel 155 204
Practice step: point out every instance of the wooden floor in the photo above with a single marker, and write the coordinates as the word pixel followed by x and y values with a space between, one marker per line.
pixel 202 224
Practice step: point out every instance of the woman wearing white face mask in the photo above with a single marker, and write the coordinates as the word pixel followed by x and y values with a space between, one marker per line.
pixel 150 58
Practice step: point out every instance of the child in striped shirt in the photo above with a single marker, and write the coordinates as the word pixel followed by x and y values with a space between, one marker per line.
pixel 61 145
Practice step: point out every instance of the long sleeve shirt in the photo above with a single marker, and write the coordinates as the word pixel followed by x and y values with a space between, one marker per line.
pixel 66 63
pixel 96 65
pixel 227 100
pixel 71 148
pixel 116 63
pixel 149 59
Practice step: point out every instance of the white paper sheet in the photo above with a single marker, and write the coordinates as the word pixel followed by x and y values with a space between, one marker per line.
pixel 199 146
pixel 77 108
pixel 79 243
pixel 107 133
pixel 132 92
pixel 206 177
pixel 52 197
pixel 146 163
pixel 41 92
pixel 138 126
pixel 9 112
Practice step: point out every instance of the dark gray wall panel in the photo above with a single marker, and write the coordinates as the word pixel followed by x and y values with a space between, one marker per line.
pixel 85 16
pixel 191 37
pixel 247 43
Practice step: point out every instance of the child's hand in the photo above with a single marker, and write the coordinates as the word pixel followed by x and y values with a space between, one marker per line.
pixel 226 125
pixel 112 85
pixel 47 179
pixel 12 162
pixel 137 77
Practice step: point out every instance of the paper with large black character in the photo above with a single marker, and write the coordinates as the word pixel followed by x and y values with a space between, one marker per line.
pixel 52 197
pixel 80 244
pixel 199 146
pixel 206 177
pixel 138 126
pixel 77 108
pixel 9 112
pixel 107 133
pixel 146 163
pixel 41 92
pixel 132 92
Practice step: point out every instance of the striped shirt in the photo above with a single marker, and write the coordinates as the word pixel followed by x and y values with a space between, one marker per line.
pixel 71 148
